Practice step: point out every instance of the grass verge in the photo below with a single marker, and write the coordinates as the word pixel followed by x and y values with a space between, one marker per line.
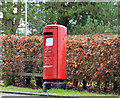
pixel 54 91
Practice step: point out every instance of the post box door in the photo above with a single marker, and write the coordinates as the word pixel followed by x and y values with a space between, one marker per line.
pixel 50 54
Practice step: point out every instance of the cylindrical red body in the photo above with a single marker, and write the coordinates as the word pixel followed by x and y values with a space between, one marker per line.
pixel 54 52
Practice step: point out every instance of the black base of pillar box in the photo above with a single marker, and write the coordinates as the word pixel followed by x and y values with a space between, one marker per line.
pixel 56 85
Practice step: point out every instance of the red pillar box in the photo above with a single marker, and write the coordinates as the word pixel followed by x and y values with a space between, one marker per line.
pixel 54 56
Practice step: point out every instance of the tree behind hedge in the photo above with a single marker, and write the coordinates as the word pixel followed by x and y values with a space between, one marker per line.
pixel 78 17
pixel 11 20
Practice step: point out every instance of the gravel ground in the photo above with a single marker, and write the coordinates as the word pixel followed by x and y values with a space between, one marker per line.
pixel 6 94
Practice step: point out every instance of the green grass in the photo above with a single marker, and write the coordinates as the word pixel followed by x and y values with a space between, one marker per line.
pixel 20 89
pixel 53 91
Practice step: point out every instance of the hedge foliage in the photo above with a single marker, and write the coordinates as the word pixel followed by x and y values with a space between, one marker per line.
pixel 94 58
pixel 21 54
pixel 91 58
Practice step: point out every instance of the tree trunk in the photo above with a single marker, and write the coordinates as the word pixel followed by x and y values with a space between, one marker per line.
pixel 106 85
pixel 115 85
pixel 84 84
pixel 75 82
pixel 16 25
pixel 9 26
